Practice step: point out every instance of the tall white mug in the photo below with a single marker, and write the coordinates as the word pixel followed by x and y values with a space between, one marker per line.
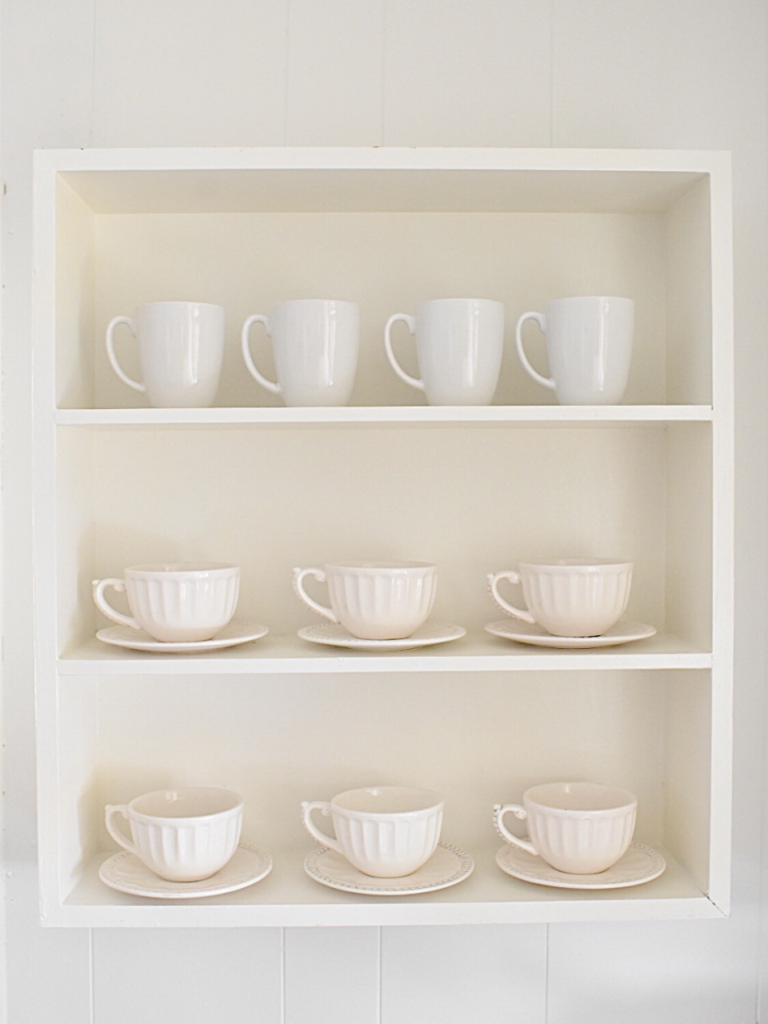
pixel 315 344
pixel 589 348
pixel 459 344
pixel 181 348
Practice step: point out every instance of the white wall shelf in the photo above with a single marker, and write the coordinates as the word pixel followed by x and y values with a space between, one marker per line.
pixel 249 481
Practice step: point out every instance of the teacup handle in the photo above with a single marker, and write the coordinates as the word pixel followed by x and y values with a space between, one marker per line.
pixel 269 385
pixel 298 586
pixel 136 385
pixel 114 831
pixel 307 806
pixel 541 321
pixel 99 587
pixel 513 577
pixel 409 320
pixel 521 814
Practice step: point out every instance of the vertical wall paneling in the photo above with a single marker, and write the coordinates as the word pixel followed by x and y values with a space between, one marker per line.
pixel 332 975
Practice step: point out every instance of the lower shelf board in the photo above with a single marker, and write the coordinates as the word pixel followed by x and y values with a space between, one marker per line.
pixel 288 897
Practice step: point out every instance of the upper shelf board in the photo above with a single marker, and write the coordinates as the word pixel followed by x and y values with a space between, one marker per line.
pixel 378 179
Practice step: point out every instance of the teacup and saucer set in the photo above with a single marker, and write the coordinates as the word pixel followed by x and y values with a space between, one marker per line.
pixel 572 603
pixel 375 606
pixel 176 608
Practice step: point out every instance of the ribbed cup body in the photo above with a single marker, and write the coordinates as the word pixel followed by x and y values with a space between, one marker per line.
pixel 576 599
pixel 388 846
pixel 187 851
pixel 183 605
pixel 382 602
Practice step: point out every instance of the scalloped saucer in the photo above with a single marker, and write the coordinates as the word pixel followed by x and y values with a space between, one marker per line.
pixel 447 866
pixel 639 864
pixel 236 632
pixel 337 636
pixel 522 633
pixel 126 873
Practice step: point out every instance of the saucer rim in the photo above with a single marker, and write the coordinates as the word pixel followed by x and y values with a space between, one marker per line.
pixel 563 880
pixel 508 630
pixel 354 643
pixel 251 631
pixel 466 866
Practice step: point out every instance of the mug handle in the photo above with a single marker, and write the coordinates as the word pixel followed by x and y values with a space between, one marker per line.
pixel 513 577
pixel 410 321
pixel 110 811
pixel 298 576
pixel 99 587
pixel 136 385
pixel 307 806
pixel 541 321
pixel 266 384
pixel 521 814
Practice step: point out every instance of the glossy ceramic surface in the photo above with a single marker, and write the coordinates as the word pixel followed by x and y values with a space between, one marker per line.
pixel 638 865
pixel 425 636
pixel 127 873
pixel 181 348
pixel 447 866
pixel 459 345
pixel 384 831
pixel 524 633
pixel 589 348
pixel 315 344
pixel 232 635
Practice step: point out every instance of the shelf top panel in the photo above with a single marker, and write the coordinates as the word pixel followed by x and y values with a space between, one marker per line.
pixel 288 897
pixel 539 415
pixel 378 179
pixel 277 653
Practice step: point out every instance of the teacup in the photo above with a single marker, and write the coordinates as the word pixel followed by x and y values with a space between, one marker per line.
pixel 383 831
pixel 182 835
pixel 181 602
pixel 374 600
pixel 581 828
pixel 575 597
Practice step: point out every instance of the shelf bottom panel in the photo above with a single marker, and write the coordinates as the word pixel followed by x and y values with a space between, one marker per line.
pixel 288 897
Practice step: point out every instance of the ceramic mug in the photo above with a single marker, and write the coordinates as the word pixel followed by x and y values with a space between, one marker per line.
pixel 581 828
pixel 383 831
pixel 374 600
pixel 183 835
pixel 181 602
pixel 181 348
pixel 459 344
pixel 577 597
pixel 315 344
pixel 589 348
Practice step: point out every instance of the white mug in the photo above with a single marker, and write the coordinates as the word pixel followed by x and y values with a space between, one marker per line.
pixel 175 602
pixel 183 835
pixel 589 348
pixel 576 597
pixel 581 828
pixel 383 831
pixel 374 600
pixel 315 343
pixel 181 348
pixel 459 344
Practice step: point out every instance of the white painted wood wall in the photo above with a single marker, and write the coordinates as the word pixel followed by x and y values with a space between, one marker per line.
pixel 637 73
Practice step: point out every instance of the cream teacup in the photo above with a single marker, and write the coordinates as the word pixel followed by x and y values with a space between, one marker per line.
pixel 182 835
pixel 181 602
pixel 581 828
pixel 374 600
pixel 575 597
pixel 383 831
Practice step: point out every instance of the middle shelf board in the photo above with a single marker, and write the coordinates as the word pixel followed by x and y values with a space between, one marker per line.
pixel 492 415
pixel 281 654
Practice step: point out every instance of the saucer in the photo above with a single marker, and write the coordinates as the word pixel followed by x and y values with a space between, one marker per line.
pixel 639 864
pixel 447 866
pixel 234 633
pixel 126 873
pixel 337 636
pixel 523 633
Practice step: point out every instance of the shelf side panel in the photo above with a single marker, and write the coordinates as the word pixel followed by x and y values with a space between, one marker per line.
pixel 75 270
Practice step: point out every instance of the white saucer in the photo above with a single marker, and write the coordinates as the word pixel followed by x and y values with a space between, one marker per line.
pixel 126 873
pixel 337 636
pixel 232 634
pixel 523 633
pixel 639 864
pixel 447 866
